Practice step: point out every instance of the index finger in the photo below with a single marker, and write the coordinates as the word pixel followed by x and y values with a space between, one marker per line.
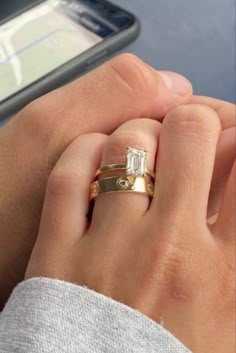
pixel 225 110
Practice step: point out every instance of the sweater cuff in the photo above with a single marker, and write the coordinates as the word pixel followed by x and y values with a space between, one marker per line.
pixel 45 315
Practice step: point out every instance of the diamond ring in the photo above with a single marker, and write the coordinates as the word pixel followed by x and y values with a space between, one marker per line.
pixel 132 177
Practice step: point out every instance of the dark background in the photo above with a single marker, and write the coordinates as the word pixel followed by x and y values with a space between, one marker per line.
pixel 7 7
pixel 193 37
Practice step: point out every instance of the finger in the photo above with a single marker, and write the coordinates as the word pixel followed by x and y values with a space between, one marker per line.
pixel 67 197
pixel 225 226
pixel 225 156
pixel 122 89
pixel 225 110
pixel 118 207
pixel 185 163
pixel 225 150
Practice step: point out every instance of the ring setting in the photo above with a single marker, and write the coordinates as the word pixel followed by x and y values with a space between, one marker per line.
pixel 136 161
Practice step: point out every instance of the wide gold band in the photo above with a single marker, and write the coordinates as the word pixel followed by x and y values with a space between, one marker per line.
pixel 111 168
pixel 113 184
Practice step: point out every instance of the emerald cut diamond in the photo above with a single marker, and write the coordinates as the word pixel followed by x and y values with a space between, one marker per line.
pixel 136 162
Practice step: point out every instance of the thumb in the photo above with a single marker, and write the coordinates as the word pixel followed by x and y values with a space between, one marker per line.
pixel 121 89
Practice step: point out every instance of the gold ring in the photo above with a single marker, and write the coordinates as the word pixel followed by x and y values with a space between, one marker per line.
pixel 111 168
pixel 140 184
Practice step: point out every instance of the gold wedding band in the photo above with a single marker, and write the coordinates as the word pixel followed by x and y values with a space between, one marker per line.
pixel 125 183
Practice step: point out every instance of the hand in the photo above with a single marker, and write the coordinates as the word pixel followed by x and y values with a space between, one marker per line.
pixel 160 257
pixel 122 89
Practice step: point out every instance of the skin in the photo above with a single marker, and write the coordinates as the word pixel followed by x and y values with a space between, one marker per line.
pixel 32 142
pixel 160 257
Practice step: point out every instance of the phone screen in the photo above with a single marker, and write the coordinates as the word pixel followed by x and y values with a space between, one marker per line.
pixel 45 37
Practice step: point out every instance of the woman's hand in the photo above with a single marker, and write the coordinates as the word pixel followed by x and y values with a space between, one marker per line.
pixel 122 89
pixel 161 257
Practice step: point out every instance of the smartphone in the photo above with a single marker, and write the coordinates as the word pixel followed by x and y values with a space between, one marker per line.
pixel 49 43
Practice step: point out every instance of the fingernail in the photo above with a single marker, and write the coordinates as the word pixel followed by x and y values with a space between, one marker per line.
pixel 176 82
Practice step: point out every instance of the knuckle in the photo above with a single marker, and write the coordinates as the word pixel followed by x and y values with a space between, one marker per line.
pixel 168 259
pixel 196 118
pixel 118 143
pixel 143 124
pixel 134 73
pixel 170 252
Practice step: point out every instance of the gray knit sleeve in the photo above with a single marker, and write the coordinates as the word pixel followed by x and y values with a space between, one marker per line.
pixel 51 316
